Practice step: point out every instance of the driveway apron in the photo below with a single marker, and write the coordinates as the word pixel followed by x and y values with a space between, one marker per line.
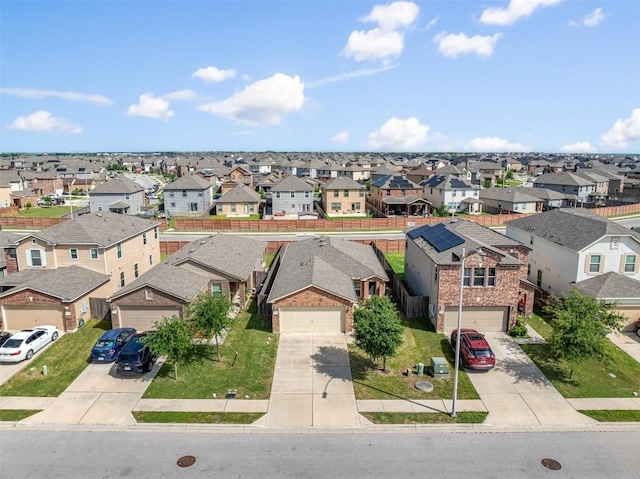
pixel 516 392
pixel 312 383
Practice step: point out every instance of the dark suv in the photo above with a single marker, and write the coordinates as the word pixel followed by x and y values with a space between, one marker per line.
pixel 110 343
pixel 475 352
pixel 135 357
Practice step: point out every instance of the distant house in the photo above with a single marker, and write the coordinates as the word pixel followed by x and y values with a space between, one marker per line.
pixel 343 196
pixel 568 183
pixel 456 194
pixel 239 201
pixel 188 195
pixel 118 195
pixel 241 174
pixel 509 200
pixel 292 196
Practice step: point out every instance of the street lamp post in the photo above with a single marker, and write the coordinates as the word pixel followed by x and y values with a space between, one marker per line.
pixel 457 352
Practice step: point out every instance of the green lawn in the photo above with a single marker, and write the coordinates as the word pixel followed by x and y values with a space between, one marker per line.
pixel 540 323
pixel 197 417
pixel 16 414
pixel 65 360
pixel 268 258
pixel 203 375
pixel 420 344
pixel 396 260
pixel 46 211
pixel 613 415
pixel 470 417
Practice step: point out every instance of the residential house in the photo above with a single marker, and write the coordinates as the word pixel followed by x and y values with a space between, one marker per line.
pixel 188 195
pixel 395 195
pixel 484 172
pixel 456 194
pixel 292 196
pixel 239 201
pixel 419 175
pixel 343 196
pixel 318 283
pixel 509 200
pixel 568 183
pixel 43 183
pixel 494 279
pixel 599 196
pixel 570 246
pixel 241 174
pixel 118 195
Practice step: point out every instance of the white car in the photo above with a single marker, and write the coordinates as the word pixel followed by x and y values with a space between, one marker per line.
pixel 25 343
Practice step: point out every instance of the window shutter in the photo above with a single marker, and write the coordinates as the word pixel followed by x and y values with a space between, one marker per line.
pixel 601 265
pixel 622 262
pixel 635 269
pixel 587 261
pixel 29 258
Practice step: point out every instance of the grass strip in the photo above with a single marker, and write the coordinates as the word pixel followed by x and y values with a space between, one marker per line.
pixel 466 417
pixel 197 417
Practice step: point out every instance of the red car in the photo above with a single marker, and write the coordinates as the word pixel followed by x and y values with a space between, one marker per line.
pixel 475 352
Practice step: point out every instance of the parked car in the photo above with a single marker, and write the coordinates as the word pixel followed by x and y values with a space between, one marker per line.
pixel 135 357
pixel 24 344
pixel 110 344
pixel 4 335
pixel 475 352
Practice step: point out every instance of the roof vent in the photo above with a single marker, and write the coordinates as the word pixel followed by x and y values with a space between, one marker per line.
pixel 192 250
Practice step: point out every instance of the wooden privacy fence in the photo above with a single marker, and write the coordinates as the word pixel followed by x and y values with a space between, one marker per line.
pixel 24 222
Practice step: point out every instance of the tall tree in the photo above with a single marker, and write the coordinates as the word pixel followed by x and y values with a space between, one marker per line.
pixel 580 327
pixel 172 339
pixel 377 328
pixel 209 316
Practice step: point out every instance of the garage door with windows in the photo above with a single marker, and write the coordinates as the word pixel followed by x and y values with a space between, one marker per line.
pixel 143 318
pixel 312 319
pixel 25 317
pixel 483 319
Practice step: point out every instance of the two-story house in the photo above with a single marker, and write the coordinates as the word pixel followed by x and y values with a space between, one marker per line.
pixel 494 278
pixel 118 195
pixel 573 246
pixel 395 195
pixel 291 196
pixel 568 183
pixel 343 196
pixel 188 195
pixel 456 194
pixel 61 267
pixel 241 174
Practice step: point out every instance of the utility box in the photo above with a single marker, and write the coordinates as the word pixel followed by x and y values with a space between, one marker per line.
pixel 420 369
pixel 439 368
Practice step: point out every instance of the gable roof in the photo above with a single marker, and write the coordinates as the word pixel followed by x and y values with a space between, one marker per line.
pixel 188 182
pixel 562 178
pixel 67 283
pixel 574 228
pixel 508 194
pixel 239 194
pixel 610 285
pixel 101 228
pixel 291 183
pixel 118 185
pixel 342 183
pixel 232 255
pixel 328 263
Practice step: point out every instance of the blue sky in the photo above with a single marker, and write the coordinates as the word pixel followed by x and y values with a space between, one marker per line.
pixel 519 75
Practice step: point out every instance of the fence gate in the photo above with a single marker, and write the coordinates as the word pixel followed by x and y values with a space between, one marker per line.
pixel 100 309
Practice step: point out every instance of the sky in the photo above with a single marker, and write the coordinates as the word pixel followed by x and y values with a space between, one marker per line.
pixel 554 76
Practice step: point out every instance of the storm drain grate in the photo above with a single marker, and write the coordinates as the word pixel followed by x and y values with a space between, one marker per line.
pixel 186 461
pixel 551 464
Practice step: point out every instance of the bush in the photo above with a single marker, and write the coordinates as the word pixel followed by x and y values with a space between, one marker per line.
pixel 519 330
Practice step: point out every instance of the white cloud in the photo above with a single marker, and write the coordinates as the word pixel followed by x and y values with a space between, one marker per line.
pixel 399 135
pixel 452 45
pixel 432 23
pixel 44 121
pixel 264 102
pixel 349 76
pixel 496 144
pixel 578 147
pixel 185 95
pixel 213 74
pixel 387 40
pixel 341 137
pixel 516 10
pixel 393 16
pixel 624 131
pixel 66 95
pixel 151 107
pixel 594 18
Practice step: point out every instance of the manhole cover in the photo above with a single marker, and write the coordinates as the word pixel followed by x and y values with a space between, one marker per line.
pixel 186 461
pixel 425 386
pixel 551 464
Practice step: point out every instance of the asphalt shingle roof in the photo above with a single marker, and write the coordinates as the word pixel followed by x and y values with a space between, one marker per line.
pixel 291 183
pixel 610 285
pixel 342 183
pixel 188 182
pixel 330 264
pixel 239 194
pixel 507 194
pixel 119 185
pixel 574 228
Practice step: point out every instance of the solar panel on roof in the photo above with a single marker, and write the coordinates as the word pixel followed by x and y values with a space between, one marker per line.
pixel 417 232
pixel 441 238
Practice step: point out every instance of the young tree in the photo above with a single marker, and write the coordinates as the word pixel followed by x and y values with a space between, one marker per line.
pixel 209 316
pixel 377 328
pixel 442 210
pixel 580 327
pixel 172 339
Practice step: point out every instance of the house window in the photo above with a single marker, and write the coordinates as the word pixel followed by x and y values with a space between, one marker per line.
pixel 523 206
pixel 233 207
pixel 155 233
pixel 293 194
pixel 252 208
pixel 335 206
pixel 35 258
pixel 99 208
pixel 73 253
pixel 121 279
pixel 630 263
pixel 466 280
pixel 530 239
pixel 307 194
pixel 216 288
pixel 148 295
pixel 595 262
pixel 478 276
pixel 361 193
pixel 200 194
pixel 277 194
pixel 615 241
pixel 346 193
pixel 127 196
pixel 144 238
pixel 357 288
pixel 150 259
pixel 356 206
pixel 184 193
pixel 491 277
pixel 372 288
pixel 119 250
pixel 171 194
pixel 136 273
pixel 193 207
pixel 173 204
pixel 336 193
pixel 539 279
pixel 403 192
pixel 93 253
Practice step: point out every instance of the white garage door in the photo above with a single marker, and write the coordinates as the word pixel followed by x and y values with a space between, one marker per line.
pixel 142 318
pixel 481 319
pixel 24 317
pixel 312 320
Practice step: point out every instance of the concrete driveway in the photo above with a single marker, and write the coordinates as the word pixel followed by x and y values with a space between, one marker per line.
pixel 516 392
pixel 312 383
pixel 629 342
pixel 97 396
